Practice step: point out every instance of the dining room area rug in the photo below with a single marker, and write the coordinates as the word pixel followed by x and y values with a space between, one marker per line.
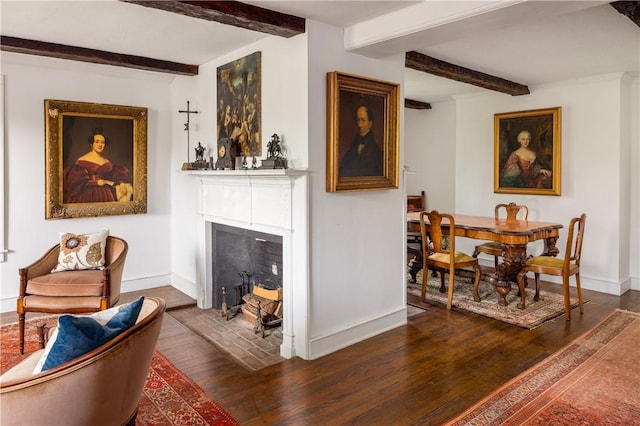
pixel 169 396
pixel 594 380
pixel 550 305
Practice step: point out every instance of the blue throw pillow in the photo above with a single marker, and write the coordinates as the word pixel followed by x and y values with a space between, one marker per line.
pixel 78 335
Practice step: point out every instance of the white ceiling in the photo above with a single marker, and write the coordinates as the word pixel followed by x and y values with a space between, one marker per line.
pixel 528 42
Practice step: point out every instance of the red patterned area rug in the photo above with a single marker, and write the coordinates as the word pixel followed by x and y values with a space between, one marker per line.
pixel 595 380
pixel 169 397
pixel 550 305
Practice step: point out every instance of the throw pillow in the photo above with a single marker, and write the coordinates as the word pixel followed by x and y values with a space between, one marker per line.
pixel 81 251
pixel 78 335
pixel 102 317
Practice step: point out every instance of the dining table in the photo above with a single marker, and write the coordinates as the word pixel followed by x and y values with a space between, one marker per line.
pixel 513 234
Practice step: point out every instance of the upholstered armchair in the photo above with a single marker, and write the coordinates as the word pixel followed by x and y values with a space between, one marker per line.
pixel 77 291
pixel 101 387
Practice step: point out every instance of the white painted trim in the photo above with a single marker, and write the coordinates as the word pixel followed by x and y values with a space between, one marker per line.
pixel 340 339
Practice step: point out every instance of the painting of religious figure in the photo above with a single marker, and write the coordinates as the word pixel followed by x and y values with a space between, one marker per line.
pixel 239 104
pixel 527 152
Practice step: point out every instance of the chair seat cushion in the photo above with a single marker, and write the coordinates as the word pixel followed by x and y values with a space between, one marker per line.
pixel 491 245
pixel 547 262
pixel 68 283
pixel 78 335
pixel 444 257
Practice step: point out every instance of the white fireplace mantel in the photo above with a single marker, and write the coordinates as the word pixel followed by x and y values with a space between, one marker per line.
pixel 274 201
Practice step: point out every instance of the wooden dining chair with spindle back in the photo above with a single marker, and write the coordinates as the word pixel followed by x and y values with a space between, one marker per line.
pixel 494 248
pixel 443 255
pixel 565 267
pixel 415 203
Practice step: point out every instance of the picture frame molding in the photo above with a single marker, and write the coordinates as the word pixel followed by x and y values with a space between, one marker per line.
pixel 55 111
pixel 338 82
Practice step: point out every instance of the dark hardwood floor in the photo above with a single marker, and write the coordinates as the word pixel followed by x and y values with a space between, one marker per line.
pixel 423 373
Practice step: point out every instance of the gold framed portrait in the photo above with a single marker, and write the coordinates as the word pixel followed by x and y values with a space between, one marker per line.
pixel 362 133
pixel 96 159
pixel 527 149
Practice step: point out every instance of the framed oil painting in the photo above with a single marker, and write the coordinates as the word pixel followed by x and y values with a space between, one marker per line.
pixel 527 147
pixel 96 159
pixel 239 107
pixel 362 133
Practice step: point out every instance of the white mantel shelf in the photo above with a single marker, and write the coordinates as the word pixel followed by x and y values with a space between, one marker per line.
pixel 248 172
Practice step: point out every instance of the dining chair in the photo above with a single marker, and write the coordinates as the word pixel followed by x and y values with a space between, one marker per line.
pixel 442 254
pixel 494 248
pixel 565 267
pixel 415 203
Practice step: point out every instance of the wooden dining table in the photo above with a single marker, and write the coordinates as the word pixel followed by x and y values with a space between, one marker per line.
pixel 514 235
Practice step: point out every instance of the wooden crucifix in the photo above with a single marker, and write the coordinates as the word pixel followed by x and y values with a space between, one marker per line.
pixel 186 125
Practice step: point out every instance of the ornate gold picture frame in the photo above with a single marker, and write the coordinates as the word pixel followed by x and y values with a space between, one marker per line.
pixel 527 149
pixel 362 133
pixel 95 159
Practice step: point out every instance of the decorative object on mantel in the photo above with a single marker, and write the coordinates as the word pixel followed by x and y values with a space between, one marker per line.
pixel 200 162
pixel 226 155
pixel 187 165
pixel 274 160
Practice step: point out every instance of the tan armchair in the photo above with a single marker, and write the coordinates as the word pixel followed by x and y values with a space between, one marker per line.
pixel 101 387
pixel 70 292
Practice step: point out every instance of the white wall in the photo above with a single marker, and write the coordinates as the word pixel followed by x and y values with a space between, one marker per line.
pixel 29 80
pixel 599 134
pixel 431 143
pixel 357 238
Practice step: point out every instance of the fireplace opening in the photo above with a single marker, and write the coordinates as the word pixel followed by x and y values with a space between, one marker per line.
pixel 242 258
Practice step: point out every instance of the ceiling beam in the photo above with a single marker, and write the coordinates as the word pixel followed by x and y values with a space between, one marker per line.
pixel 62 51
pixel 421 62
pixel 413 104
pixel 630 9
pixel 232 13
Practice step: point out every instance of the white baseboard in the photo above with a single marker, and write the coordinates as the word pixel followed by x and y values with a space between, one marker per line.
pixel 325 345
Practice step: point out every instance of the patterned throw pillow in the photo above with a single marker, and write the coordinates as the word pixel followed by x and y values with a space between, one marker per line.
pixel 81 251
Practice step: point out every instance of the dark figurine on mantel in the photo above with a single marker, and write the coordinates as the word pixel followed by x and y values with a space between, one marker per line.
pixel 273 147
pixel 274 158
pixel 199 152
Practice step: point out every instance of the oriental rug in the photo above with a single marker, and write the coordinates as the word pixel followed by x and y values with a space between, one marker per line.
pixel 595 380
pixel 169 396
pixel 550 305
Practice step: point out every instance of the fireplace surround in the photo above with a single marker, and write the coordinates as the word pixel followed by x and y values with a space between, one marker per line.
pixel 273 202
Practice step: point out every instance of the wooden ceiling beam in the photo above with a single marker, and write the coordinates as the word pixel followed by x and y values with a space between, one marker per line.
pixel 413 104
pixel 421 62
pixel 62 51
pixel 234 13
pixel 630 9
